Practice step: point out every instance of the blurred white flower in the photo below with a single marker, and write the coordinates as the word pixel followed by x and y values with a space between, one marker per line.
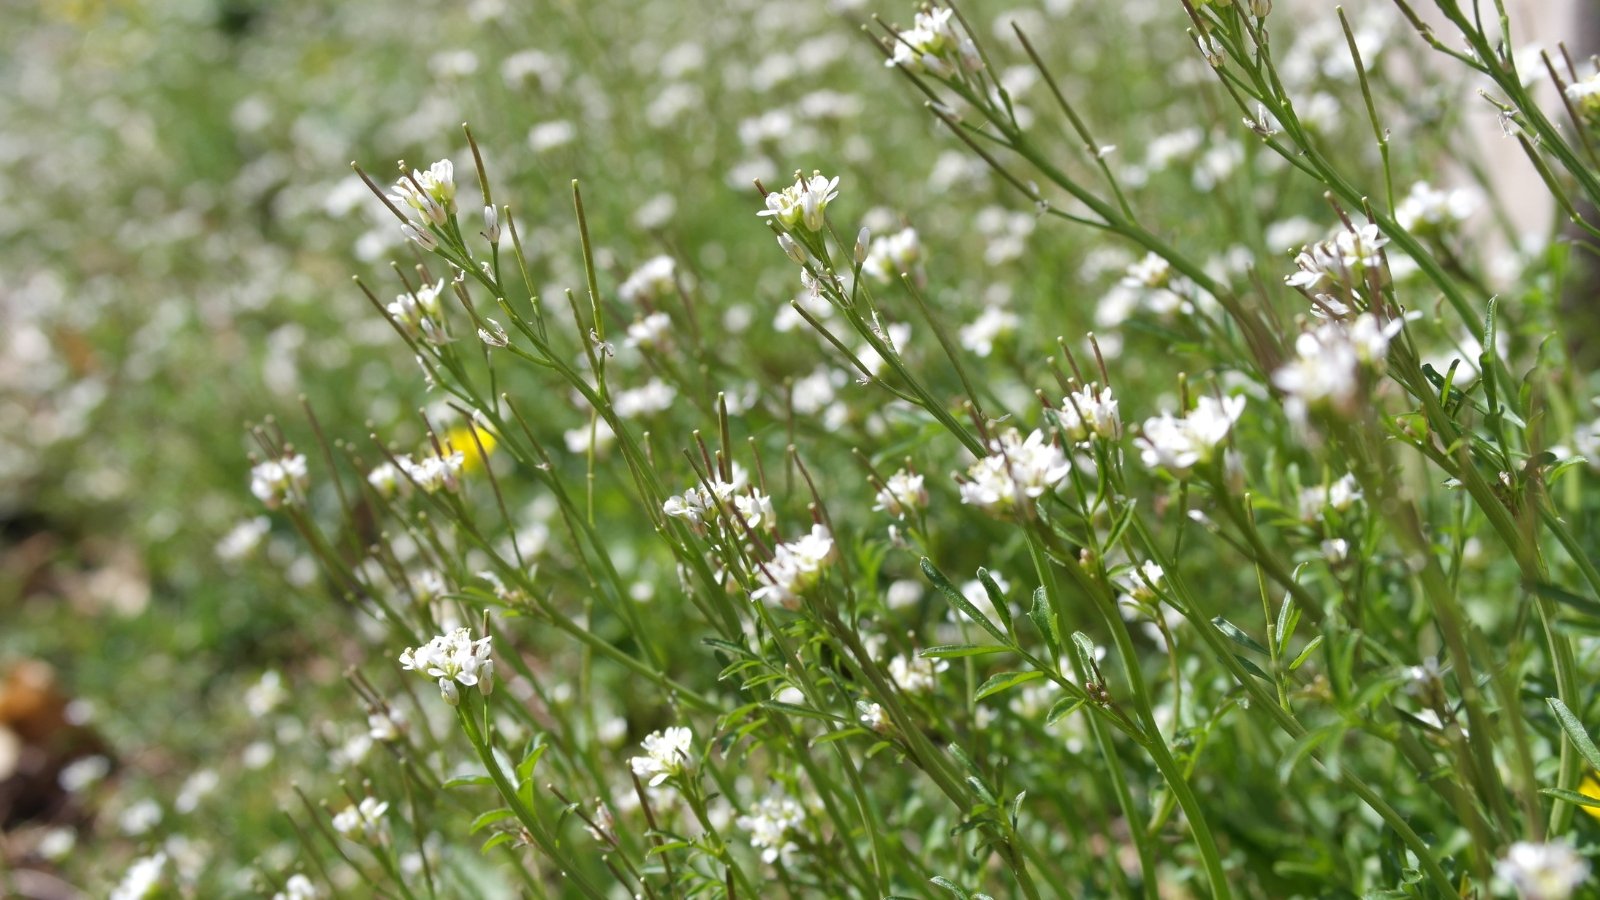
pixel 903 491
pixel 992 326
pixel 298 887
pixel 243 539
pixel 1177 445
pixel 770 822
pixel 916 675
pixel 142 879
pixel 361 821
pixel 1090 412
pixel 279 481
pixel 1428 211
pixel 1542 871
pixel 891 255
pixel 794 567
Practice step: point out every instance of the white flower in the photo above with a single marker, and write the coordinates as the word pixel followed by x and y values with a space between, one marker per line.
pixel 1585 95
pixel 1177 445
pixel 421 314
pixel 435 472
pixel 770 823
pixel 803 202
pixel 891 256
pixel 1090 412
pixel 1427 211
pixel 666 755
pixel 873 717
pixel 454 658
pixel 1016 472
pixel 279 481
pixel 1326 370
pixel 915 674
pixel 142 878
pixel 298 887
pixel 793 568
pixel 1340 261
pixel 755 509
pixel 1338 496
pixel 933 45
pixel 386 480
pixel 992 326
pixel 494 336
pixel 901 493
pixel 651 331
pixel 359 821
pixel 1542 871
pixel 656 278
pixel 431 194
pixel 265 695
pixel 243 539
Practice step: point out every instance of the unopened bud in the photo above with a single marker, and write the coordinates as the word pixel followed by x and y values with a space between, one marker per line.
pixel 1260 8
pixel 793 248
pixel 423 238
pixel 491 224
pixel 863 240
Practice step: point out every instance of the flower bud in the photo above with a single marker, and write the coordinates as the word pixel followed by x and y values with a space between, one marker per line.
pixel 491 224
pixel 793 248
pixel 863 241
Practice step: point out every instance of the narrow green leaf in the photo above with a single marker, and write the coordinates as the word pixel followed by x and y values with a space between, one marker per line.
pixel 1005 681
pixel 489 818
pixel 1575 731
pixel 1253 669
pixel 1238 636
pixel 1086 653
pixel 1002 609
pixel 1062 708
pixel 470 781
pixel 493 842
pixel 1311 647
pixel 952 651
pixel 959 601
pixel 1572 797
pixel 1044 619
pixel 945 883
pixel 1567 598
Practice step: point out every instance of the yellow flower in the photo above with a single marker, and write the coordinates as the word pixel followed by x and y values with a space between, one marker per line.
pixel 460 438
pixel 1590 788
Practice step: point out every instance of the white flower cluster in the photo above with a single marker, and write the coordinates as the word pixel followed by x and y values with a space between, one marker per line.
pixel 279 481
pixel 1338 496
pixel 992 326
pixel 142 879
pixel 803 202
pixel 915 674
pixel 650 331
pixel 1429 211
pixel 1340 261
pixel 1585 96
pixel 1178 445
pixel 429 198
pixel 770 823
pixel 1090 412
pixel 1016 473
pixel 363 820
pixel 1148 283
pixel 892 255
pixel 666 755
pixel 1543 871
pixel 656 278
pixel 298 887
pixel 1325 373
pixel 420 314
pixel 933 45
pixel 454 659
pixel 433 473
pixel 903 492
pixel 699 504
pixel 794 567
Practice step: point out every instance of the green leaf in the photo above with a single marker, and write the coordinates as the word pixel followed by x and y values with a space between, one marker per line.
pixel 952 651
pixel 1304 747
pixel 1311 647
pixel 960 602
pixel 1572 797
pixel 1005 681
pixel 1238 636
pixel 470 781
pixel 1002 609
pixel 1575 731
pixel 1062 708
pixel 803 711
pixel 945 883
pixel 500 838
pixel 1288 621
pixel 1252 668
pixel 728 646
pixel 1086 653
pixel 489 818
pixel 1567 598
pixel 1044 619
